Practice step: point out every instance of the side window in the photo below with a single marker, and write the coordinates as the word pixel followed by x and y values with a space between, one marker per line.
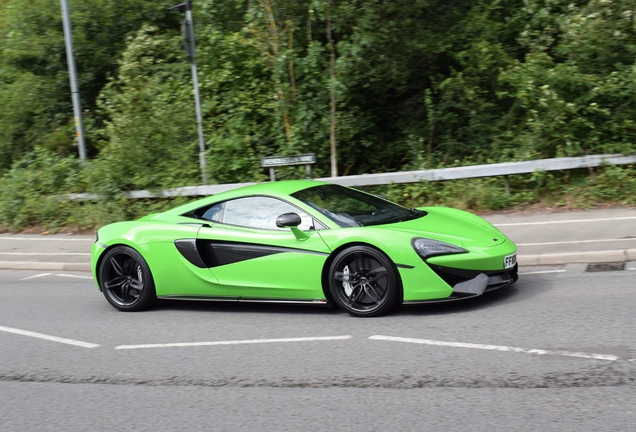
pixel 261 212
pixel 214 213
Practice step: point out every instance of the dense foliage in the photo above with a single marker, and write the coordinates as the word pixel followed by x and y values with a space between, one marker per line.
pixel 373 85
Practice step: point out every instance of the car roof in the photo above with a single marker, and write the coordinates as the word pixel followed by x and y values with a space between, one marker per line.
pixel 278 188
pixel 285 187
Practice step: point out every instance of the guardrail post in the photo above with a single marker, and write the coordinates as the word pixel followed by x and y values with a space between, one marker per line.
pixel 507 185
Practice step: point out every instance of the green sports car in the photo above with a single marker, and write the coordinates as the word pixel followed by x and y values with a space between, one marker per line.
pixel 302 242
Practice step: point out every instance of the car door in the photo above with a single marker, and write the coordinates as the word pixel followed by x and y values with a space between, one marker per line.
pixel 177 268
pixel 253 257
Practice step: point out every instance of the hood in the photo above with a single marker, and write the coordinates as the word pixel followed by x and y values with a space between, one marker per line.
pixel 453 226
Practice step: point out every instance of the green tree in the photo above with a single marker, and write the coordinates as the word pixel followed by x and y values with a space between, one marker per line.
pixel 33 58
pixel 573 92
pixel 149 139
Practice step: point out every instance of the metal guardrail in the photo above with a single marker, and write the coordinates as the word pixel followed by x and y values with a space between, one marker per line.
pixel 491 170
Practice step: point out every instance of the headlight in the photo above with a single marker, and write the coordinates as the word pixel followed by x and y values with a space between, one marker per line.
pixel 427 248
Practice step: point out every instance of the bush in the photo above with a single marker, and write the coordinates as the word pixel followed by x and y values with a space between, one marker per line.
pixel 28 190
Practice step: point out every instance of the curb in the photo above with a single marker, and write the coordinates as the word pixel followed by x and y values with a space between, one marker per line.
pixel 620 255
pixel 47 266
pixel 604 256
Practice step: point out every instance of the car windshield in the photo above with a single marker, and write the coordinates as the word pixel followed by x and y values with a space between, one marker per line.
pixel 351 208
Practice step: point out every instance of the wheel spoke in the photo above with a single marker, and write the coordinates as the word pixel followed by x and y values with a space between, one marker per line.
pixel 129 266
pixel 114 283
pixel 378 273
pixel 116 266
pixel 355 294
pixel 136 285
pixel 341 276
pixel 137 280
pixel 125 291
pixel 345 277
pixel 371 292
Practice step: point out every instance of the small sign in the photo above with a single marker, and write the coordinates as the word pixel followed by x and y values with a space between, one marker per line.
pixel 274 161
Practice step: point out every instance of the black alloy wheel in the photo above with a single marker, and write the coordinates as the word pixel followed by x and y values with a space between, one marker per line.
pixel 364 282
pixel 126 280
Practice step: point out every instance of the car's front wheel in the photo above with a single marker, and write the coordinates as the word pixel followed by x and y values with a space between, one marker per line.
pixel 125 279
pixel 364 282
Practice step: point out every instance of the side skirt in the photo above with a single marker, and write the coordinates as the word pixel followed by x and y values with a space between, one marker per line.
pixel 244 300
pixel 199 298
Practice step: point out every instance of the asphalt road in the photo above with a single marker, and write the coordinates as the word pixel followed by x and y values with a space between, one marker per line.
pixel 571 236
pixel 556 351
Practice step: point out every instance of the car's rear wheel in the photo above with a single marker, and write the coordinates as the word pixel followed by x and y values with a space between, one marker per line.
pixel 125 279
pixel 364 282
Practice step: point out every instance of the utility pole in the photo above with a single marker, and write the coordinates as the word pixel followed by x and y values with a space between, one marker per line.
pixel 332 95
pixel 188 40
pixel 70 59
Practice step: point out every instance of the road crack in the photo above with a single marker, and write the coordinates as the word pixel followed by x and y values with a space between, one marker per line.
pixel 613 376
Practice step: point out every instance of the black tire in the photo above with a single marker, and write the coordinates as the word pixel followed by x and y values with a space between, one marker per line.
pixel 125 280
pixel 364 282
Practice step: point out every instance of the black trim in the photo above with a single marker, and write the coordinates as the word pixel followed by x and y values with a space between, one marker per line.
pixel 198 298
pixel 454 275
pixel 224 253
pixel 208 253
pixel 188 248
pixel 278 300
pixel 199 224
pixel 320 302
pixel 213 253
pixel 405 266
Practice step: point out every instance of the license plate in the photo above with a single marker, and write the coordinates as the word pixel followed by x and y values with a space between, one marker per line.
pixel 510 261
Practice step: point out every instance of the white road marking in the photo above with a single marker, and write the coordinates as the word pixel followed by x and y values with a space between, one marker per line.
pixel 46 253
pixel 543 271
pixel 565 221
pixel 497 348
pixel 577 242
pixel 48 239
pixel 237 342
pixel 48 337
pixel 74 276
pixel 36 276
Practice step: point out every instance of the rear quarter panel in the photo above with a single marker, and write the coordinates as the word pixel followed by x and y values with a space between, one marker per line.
pixel 154 240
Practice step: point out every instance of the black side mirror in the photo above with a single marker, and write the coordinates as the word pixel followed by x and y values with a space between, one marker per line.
pixel 288 220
